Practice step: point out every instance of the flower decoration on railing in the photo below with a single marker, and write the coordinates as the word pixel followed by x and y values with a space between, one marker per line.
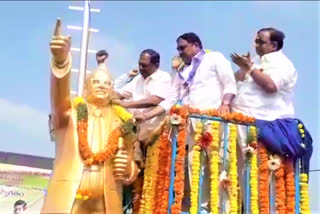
pixel 175 119
pixel 224 181
pixel 205 140
pixel 222 177
pixel 274 162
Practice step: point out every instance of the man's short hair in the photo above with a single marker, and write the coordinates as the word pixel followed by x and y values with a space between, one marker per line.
pixel 154 56
pixel 20 202
pixel 102 53
pixel 275 36
pixel 191 38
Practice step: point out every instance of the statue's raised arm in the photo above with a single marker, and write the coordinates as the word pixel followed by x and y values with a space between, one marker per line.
pixel 60 77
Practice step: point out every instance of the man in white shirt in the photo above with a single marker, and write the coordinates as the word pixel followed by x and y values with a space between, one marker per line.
pixel 266 83
pixel 206 81
pixel 147 95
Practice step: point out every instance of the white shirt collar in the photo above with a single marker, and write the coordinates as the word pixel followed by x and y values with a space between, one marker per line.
pixel 270 56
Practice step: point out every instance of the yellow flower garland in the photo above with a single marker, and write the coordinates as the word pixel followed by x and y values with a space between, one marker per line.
pixel 214 168
pixel 122 113
pixel 150 175
pixel 254 203
pixel 304 194
pixel 194 195
pixel 195 180
pixel 233 169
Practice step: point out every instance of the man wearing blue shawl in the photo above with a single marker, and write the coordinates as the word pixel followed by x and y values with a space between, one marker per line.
pixel 265 91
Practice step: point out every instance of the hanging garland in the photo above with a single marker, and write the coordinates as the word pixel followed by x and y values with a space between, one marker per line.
pixel 304 194
pixel 254 200
pixel 290 188
pixel 179 165
pixel 204 139
pixel 195 177
pixel 263 180
pixel 90 158
pixel 163 176
pixel 214 167
pixel 149 184
pixel 111 146
pixel 280 189
pixel 233 169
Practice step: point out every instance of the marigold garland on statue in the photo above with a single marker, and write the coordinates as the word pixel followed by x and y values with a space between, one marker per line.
pixel 87 155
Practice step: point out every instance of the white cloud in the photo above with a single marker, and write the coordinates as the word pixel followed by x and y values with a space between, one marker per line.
pixel 25 119
pixel 24 130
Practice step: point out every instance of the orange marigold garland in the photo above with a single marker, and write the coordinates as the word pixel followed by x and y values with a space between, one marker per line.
pixel 87 155
pixel 280 190
pixel 231 117
pixel 162 183
pixel 137 191
pixel 179 169
pixel 290 188
pixel 108 152
pixel 263 180
pixel 90 158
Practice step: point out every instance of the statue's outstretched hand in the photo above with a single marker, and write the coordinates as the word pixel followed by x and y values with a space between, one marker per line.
pixel 60 45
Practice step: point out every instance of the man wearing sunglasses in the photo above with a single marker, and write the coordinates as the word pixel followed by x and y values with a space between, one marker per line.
pixel 206 81
pixel 266 86
pixel 266 83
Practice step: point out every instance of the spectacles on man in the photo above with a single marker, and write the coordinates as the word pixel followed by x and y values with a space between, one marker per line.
pixel 259 41
pixel 182 47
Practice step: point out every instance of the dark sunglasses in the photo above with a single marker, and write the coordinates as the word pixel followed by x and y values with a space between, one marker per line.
pixel 143 65
pixel 260 41
pixel 181 47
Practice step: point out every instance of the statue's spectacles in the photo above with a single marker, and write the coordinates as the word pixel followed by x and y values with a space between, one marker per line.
pixel 105 83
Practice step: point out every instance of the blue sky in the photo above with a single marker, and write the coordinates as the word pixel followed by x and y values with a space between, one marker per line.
pixel 126 28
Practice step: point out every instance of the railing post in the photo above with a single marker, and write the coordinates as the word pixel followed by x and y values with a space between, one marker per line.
pixel 173 160
pixel 297 186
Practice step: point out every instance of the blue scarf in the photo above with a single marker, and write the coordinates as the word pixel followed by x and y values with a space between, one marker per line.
pixel 282 137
